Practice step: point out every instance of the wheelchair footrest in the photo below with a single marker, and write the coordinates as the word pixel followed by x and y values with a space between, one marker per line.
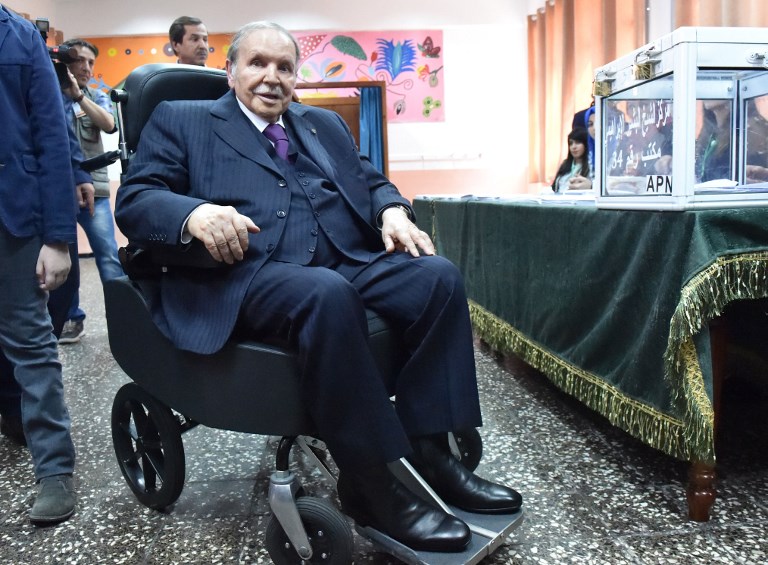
pixel 488 532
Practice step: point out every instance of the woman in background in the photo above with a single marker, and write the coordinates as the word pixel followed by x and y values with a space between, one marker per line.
pixel 574 173
pixel 589 123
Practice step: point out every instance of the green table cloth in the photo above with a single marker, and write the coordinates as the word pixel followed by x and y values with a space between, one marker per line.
pixel 612 306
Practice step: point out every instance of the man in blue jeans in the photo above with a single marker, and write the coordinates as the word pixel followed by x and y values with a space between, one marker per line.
pixel 91 114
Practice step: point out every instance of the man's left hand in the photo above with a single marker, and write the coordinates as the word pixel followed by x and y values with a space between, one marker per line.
pixel 401 234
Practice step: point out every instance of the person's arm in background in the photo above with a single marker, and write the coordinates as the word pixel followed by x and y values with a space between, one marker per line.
pixel 83 183
pixel 99 110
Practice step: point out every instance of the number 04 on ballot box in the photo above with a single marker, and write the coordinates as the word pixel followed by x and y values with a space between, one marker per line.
pixel 682 123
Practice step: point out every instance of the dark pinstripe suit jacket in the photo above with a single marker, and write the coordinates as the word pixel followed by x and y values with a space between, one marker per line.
pixel 196 152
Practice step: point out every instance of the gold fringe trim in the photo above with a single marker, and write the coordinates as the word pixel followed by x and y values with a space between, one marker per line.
pixel 699 414
pixel 650 426
pixel 729 278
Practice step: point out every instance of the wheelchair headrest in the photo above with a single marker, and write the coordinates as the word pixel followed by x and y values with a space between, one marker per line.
pixel 148 85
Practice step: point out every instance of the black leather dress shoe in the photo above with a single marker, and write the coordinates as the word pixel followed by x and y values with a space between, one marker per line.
pixel 12 428
pixel 376 498
pixel 456 484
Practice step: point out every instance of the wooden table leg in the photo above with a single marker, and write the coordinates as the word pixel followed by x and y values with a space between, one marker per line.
pixel 718 341
pixel 701 491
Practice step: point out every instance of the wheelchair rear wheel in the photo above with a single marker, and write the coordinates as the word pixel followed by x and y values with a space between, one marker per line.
pixel 147 440
pixel 329 535
pixel 469 446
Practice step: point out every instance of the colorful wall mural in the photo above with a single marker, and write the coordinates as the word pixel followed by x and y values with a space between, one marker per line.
pixel 409 62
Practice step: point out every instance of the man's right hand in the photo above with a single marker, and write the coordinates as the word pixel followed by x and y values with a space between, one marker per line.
pixel 85 194
pixel 53 264
pixel 223 231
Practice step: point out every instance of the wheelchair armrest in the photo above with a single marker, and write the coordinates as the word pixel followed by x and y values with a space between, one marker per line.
pixel 147 263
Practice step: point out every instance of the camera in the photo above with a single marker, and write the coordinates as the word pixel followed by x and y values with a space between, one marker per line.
pixel 61 56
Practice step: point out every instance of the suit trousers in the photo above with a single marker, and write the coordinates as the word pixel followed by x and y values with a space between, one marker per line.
pixel 27 340
pixel 321 311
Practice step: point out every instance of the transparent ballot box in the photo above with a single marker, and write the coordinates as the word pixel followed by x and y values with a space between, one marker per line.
pixel 682 123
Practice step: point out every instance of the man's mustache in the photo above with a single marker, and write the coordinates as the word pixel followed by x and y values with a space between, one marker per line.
pixel 270 91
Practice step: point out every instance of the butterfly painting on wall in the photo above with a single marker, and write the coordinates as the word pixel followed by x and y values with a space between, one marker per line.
pixel 428 48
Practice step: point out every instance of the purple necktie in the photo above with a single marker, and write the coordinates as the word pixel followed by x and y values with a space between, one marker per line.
pixel 276 134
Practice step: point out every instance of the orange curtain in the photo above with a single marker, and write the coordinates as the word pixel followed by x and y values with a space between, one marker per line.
pixel 732 13
pixel 567 40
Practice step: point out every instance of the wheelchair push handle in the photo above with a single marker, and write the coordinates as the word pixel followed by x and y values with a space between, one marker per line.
pixel 120 97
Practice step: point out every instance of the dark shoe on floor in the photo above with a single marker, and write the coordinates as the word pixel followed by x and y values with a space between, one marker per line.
pixel 55 501
pixel 72 332
pixel 376 498
pixel 12 428
pixel 457 485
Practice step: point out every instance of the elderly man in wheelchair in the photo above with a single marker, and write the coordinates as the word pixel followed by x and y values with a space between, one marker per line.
pixel 301 237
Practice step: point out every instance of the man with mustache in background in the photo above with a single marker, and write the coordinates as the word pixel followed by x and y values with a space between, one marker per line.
pixel 189 40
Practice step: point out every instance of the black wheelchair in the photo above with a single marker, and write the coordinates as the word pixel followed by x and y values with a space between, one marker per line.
pixel 173 391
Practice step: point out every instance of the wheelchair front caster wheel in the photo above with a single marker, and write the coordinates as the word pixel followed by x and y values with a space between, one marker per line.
pixel 329 535
pixel 147 440
pixel 469 447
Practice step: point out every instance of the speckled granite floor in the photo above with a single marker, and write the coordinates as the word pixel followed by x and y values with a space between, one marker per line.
pixel 592 494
